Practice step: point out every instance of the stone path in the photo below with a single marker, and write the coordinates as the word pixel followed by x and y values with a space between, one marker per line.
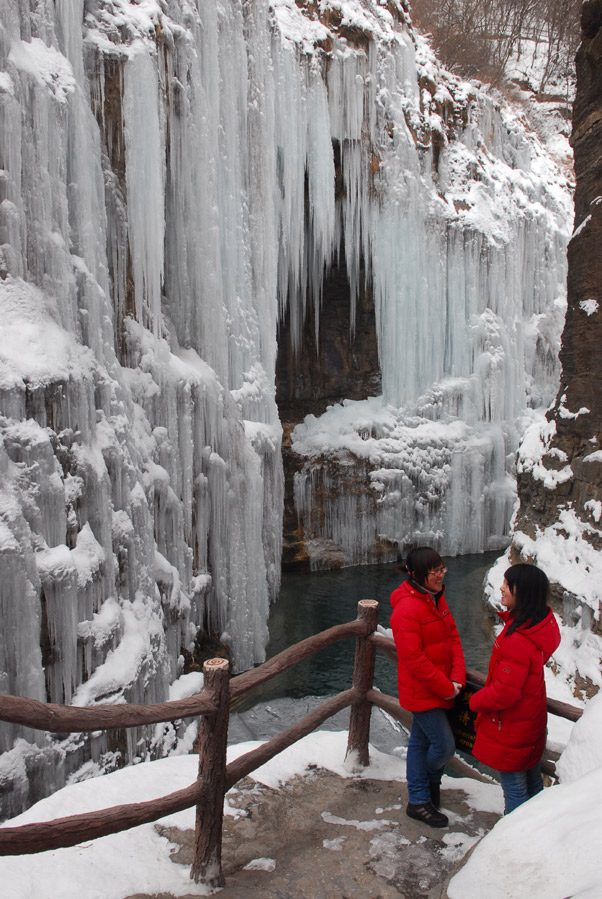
pixel 326 837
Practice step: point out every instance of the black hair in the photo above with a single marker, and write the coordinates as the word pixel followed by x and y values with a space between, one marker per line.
pixel 419 561
pixel 531 590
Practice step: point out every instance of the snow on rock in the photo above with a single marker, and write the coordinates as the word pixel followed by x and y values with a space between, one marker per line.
pixel 589 306
pixel 580 650
pixel 566 557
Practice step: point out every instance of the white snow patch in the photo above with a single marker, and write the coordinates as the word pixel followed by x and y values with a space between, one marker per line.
pixel 359 825
pixel 457 845
pixel 589 306
pixel 34 348
pixel 46 65
pixel 335 845
pixel 186 685
pixel 595 507
pixel 593 457
pixel 261 864
pixel 535 446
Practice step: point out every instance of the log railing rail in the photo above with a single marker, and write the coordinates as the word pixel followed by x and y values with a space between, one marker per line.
pixel 215 778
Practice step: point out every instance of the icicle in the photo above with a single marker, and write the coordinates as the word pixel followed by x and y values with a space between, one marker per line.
pixel 144 178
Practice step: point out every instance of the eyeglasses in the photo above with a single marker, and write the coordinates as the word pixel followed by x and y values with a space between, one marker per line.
pixel 438 571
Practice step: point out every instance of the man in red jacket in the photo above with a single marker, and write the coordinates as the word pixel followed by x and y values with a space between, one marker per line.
pixel 512 706
pixel 430 674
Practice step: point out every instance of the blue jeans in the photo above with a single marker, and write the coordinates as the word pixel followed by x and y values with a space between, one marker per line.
pixel 430 746
pixel 518 786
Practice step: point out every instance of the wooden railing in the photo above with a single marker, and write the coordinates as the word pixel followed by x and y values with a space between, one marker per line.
pixel 215 777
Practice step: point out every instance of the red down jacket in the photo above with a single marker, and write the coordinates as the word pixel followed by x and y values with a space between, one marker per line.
pixel 429 652
pixel 511 727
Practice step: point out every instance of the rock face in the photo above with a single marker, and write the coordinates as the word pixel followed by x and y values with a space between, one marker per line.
pixel 558 524
pixel 569 473
pixel 338 362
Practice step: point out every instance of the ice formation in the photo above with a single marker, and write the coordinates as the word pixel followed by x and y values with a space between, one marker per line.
pixel 167 189
pixel 141 495
pixel 464 238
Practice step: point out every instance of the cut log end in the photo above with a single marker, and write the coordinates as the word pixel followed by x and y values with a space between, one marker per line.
pixel 212 664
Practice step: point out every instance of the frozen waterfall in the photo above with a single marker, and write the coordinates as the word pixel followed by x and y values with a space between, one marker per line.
pixel 168 192
pixel 141 494
pixel 463 221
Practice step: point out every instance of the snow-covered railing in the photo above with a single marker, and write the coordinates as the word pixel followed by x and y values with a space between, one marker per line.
pixel 206 792
pixel 215 777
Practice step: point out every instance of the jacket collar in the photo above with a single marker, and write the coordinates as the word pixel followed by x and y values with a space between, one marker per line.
pixel 424 592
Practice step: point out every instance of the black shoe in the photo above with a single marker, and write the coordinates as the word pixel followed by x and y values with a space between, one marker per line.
pixel 428 814
pixel 435 794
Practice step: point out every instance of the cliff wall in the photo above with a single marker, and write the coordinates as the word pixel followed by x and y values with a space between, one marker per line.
pixel 560 466
pixel 203 206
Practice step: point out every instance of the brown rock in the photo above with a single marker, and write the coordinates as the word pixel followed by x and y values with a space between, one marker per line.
pixel 336 362
pixel 577 411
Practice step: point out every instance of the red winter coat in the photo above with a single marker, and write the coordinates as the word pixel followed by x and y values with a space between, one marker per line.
pixel 511 727
pixel 429 652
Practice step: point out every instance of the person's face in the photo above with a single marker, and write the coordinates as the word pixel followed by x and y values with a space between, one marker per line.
pixel 508 597
pixel 434 579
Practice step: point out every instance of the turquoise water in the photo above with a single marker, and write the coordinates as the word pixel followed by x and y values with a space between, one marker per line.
pixel 311 602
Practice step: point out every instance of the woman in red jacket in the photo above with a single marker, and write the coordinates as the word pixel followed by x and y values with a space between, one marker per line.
pixel 430 674
pixel 511 725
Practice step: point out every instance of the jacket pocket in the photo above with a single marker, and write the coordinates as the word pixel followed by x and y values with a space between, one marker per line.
pixel 496 719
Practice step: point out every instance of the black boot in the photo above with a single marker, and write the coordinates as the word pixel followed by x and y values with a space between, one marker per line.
pixel 435 793
pixel 428 814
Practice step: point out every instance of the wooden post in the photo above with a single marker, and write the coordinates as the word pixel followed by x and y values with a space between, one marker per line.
pixel 363 680
pixel 213 733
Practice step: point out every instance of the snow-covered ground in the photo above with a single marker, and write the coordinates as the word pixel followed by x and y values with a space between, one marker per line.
pixel 139 859
pixel 554 838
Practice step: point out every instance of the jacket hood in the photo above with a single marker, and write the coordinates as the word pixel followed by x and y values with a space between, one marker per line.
pixel 545 635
